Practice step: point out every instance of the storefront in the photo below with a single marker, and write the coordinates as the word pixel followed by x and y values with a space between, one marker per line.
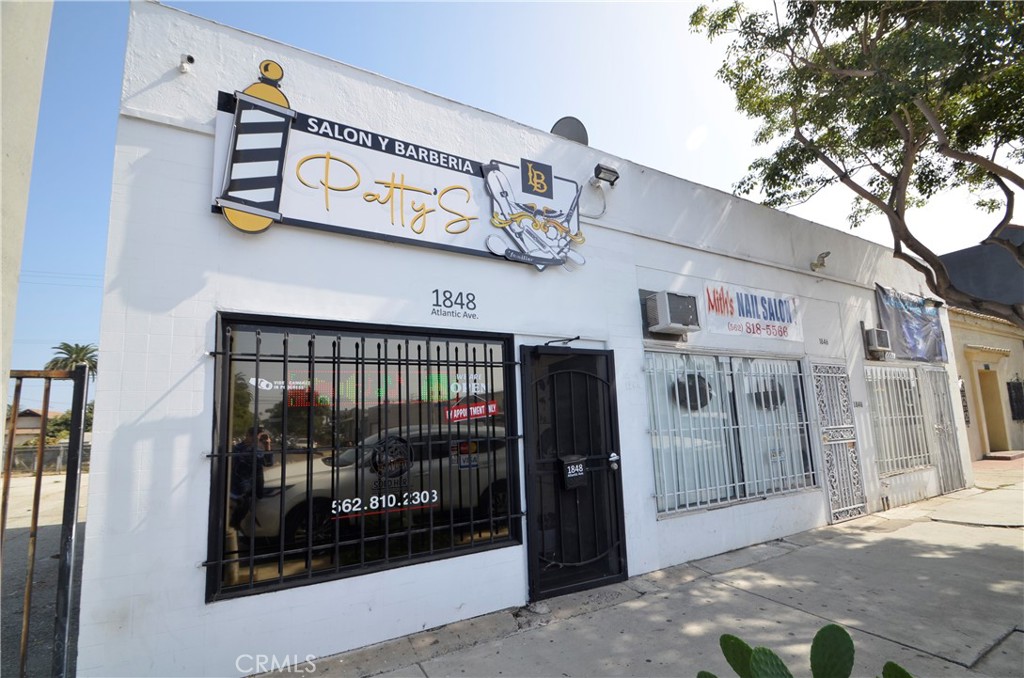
pixel 376 362
pixel 989 356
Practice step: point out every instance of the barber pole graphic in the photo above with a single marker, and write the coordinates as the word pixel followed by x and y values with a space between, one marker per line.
pixel 251 196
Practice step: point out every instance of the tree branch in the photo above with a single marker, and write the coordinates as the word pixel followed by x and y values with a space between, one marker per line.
pixel 815 192
pixel 1007 212
pixel 839 171
pixel 916 264
pixel 929 265
pixel 1016 250
pixel 994 238
pixel 973 158
pixel 898 194
pixel 835 70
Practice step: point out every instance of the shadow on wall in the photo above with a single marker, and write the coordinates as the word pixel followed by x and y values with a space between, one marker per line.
pixel 144 453
pixel 148 502
pixel 154 264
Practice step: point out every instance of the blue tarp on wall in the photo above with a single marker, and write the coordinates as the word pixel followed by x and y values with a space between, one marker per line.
pixel 913 325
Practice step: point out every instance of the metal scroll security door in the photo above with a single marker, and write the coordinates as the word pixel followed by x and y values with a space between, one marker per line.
pixel 942 429
pixel 574 488
pixel 839 443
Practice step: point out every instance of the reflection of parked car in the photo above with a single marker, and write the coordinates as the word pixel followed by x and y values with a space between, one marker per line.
pixel 414 471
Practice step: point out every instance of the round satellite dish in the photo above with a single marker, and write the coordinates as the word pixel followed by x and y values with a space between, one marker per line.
pixel 572 129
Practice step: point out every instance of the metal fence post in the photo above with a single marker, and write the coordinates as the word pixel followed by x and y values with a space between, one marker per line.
pixel 69 527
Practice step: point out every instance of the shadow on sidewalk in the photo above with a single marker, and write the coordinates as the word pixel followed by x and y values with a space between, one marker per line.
pixel 937 598
pixel 44 599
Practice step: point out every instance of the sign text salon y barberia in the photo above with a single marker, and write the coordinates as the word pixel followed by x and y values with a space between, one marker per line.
pixel 288 167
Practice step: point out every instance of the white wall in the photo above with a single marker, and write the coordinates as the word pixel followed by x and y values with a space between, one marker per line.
pixel 173 265
pixel 25 31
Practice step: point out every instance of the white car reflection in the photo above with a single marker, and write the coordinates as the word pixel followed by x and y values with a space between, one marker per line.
pixel 416 473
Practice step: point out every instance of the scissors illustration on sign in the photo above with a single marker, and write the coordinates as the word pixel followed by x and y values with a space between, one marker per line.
pixel 530 234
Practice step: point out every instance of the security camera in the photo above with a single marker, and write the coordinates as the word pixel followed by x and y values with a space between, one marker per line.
pixel 186 61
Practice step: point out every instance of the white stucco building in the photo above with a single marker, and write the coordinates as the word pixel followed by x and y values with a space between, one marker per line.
pixel 375 362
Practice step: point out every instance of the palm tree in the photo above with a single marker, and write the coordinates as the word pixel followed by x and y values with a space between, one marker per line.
pixel 69 355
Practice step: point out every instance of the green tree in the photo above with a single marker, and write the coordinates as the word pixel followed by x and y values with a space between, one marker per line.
pixel 241 406
pixel 59 428
pixel 298 419
pixel 68 355
pixel 898 101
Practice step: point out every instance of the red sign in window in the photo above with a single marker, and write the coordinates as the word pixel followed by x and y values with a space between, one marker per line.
pixel 467 411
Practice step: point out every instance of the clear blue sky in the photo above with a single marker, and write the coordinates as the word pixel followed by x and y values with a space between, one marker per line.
pixel 632 72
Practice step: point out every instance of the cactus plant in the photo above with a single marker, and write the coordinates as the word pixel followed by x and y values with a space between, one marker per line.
pixel 831 657
pixel 737 653
pixel 832 652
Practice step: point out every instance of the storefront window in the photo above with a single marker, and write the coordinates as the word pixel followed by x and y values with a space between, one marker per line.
pixel 724 429
pixel 340 452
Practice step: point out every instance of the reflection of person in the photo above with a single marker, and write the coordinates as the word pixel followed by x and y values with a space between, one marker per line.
pixel 247 461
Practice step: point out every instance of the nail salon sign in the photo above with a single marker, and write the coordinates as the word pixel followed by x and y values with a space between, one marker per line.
pixel 745 311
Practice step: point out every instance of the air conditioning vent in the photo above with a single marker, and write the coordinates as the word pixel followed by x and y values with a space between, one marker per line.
pixel 671 313
pixel 877 339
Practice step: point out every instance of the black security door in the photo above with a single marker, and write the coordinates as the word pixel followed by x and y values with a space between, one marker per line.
pixel 576 538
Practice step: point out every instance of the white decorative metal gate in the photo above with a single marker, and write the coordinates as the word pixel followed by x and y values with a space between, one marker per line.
pixel 939 408
pixel 840 454
pixel 913 421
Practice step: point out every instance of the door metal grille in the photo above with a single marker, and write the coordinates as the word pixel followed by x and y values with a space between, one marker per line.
pixel 839 442
pixel 943 426
pixel 912 417
pixel 576 538
pixel 897 419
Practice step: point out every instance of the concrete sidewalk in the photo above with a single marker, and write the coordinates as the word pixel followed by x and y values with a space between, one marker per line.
pixel 45 573
pixel 937 586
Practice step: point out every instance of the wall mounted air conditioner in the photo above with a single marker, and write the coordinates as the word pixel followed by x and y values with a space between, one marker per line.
pixel 671 313
pixel 877 339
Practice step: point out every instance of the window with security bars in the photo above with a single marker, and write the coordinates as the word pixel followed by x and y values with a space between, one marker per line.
pixel 897 419
pixel 341 451
pixel 726 429
pixel 1015 390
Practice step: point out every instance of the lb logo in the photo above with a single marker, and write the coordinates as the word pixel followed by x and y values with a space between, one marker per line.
pixel 536 178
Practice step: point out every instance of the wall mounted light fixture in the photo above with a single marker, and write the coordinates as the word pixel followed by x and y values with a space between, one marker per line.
pixel 186 63
pixel 820 261
pixel 604 173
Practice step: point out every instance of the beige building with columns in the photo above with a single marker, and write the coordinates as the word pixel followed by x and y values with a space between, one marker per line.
pixel 989 355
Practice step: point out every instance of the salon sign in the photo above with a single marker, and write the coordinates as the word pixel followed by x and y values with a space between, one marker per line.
pixel 278 165
pixel 750 312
